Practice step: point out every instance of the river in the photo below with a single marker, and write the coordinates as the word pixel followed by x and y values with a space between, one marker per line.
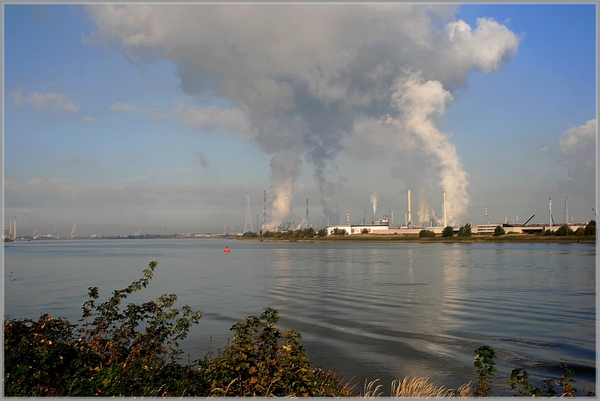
pixel 372 310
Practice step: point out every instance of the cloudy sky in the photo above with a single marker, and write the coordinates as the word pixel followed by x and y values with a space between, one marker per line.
pixel 156 118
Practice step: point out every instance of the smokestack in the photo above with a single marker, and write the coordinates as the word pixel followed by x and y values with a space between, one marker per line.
pixel 15 228
pixel 567 210
pixel 445 222
pixel 306 213
pixel 550 212
pixel 264 223
pixel 409 222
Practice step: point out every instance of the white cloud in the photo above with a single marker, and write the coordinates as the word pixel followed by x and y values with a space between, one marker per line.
pixel 578 147
pixel 487 47
pixel 88 119
pixel 48 102
pixel 578 156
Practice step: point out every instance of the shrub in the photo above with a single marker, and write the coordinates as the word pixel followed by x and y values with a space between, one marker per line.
pixel 484 362
pixel 134 352
pixel 426 233
pixel 448 231
pixel 256 364
pixel 590 228
pixel 564 230
pixel 465 231
pixel 115 352
pixel 499 230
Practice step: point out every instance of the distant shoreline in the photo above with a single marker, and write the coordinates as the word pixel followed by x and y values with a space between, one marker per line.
pixel 414 238
pixel 396 238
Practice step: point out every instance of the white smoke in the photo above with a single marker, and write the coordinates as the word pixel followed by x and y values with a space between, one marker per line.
pixel 374 203
pixel 420 102
pixel 138 232
pixel 284 171
pixel 73 228
pixel 332 65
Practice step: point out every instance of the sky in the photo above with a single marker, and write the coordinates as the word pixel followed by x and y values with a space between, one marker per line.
pixel 161 118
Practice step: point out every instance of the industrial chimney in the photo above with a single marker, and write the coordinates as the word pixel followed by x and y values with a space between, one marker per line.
pixel 409 223
pixel 445 222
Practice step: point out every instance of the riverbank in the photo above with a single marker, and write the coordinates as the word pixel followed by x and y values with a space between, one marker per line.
pixel 512 238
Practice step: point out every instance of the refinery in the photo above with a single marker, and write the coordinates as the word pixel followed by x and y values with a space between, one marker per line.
pixel 383 225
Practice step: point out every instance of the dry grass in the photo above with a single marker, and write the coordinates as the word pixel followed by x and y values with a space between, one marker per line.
pixel 416 387
pixel 420 387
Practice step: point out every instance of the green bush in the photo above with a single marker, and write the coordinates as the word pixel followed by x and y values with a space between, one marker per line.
pixel 590 228
pixel 484 362
pixel 448 231
pixel 426 233
pixel 564 230
pixel 257 364
pixel 465 231
pixel 134 352
pixel 499 230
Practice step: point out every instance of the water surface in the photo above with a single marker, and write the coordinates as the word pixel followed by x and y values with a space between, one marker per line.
pixel 374 310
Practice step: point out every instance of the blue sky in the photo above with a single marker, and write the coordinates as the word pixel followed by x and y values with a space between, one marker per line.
pixel 150 118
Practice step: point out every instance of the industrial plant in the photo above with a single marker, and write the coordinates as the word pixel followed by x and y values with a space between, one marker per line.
pixel 384 226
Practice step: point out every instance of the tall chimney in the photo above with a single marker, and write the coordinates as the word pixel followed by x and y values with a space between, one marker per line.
pixel 445 222
pixel 409 223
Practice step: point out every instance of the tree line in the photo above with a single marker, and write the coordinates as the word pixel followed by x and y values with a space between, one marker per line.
pixel 563 230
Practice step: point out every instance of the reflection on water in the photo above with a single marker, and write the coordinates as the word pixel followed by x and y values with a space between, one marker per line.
pixel 373 310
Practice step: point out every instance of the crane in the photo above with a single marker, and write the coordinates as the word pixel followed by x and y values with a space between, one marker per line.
pixel 532 216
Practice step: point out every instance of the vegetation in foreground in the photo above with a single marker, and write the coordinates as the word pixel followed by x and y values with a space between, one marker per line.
pixel 133 351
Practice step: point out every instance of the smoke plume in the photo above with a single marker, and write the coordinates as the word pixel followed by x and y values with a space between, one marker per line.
pixel 306 77
pixel 374 203
pixel 73 228
pixel 420 102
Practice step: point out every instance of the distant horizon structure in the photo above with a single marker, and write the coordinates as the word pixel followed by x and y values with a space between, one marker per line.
pixel 264 227
pixel 567 210
pixel 445 222
pixel 550 212
pixel 306 224
pixel 409 216
pixel 248 222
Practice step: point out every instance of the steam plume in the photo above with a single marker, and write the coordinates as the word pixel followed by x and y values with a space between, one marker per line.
pixel 284 171
pixel 420 102
pixel 374 203
pixel 330 69
pixel 73 228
